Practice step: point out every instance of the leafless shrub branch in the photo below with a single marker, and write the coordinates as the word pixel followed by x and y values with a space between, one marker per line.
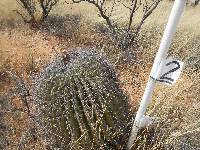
pixel 31 7
pixel 124 36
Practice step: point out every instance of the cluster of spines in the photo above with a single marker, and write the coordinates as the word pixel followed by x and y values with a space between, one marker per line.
pixel 82 105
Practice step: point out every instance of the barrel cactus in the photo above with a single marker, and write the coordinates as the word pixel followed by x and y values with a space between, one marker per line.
pixel 80 103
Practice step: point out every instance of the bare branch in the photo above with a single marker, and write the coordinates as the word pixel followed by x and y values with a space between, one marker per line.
pixel 133 10
pixel 100 6
pixel 126 6
pixel 23 17
pixel 147 13
pixel 20 3
pixel 113 5
pixel 30 7
pixel 151 8
pixel 124 36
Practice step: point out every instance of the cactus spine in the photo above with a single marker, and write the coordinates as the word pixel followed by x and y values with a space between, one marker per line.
pixel 80 102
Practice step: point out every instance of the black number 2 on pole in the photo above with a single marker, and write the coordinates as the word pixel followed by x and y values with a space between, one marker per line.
pixel 164 77
pixel 171 71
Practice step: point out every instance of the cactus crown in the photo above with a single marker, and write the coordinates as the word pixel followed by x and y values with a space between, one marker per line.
pixel 80 102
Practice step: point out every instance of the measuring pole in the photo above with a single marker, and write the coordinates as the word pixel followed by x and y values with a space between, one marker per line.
pixel 141 120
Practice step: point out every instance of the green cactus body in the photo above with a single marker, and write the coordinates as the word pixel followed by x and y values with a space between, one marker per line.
pixel 81 105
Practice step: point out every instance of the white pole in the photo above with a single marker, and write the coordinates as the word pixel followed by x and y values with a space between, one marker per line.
pixel 174 18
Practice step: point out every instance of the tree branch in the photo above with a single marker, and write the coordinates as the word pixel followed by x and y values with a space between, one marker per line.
pixel 147 13
pixel 24 18
pixel 124 36
pixel 99 5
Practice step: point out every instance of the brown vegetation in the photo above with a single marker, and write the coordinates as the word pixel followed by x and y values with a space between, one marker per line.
pixel 27 51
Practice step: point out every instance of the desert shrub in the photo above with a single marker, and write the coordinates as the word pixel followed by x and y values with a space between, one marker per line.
pixel 61 26
pixel 80 103
pixel 35 11
pixel 124 35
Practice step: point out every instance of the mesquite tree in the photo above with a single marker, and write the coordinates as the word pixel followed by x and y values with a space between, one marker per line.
pixel 126 35
pixel 33 7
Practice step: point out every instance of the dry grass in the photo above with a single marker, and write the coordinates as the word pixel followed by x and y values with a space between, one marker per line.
pixel 19 48
pixel 177 106
pixel 6 10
